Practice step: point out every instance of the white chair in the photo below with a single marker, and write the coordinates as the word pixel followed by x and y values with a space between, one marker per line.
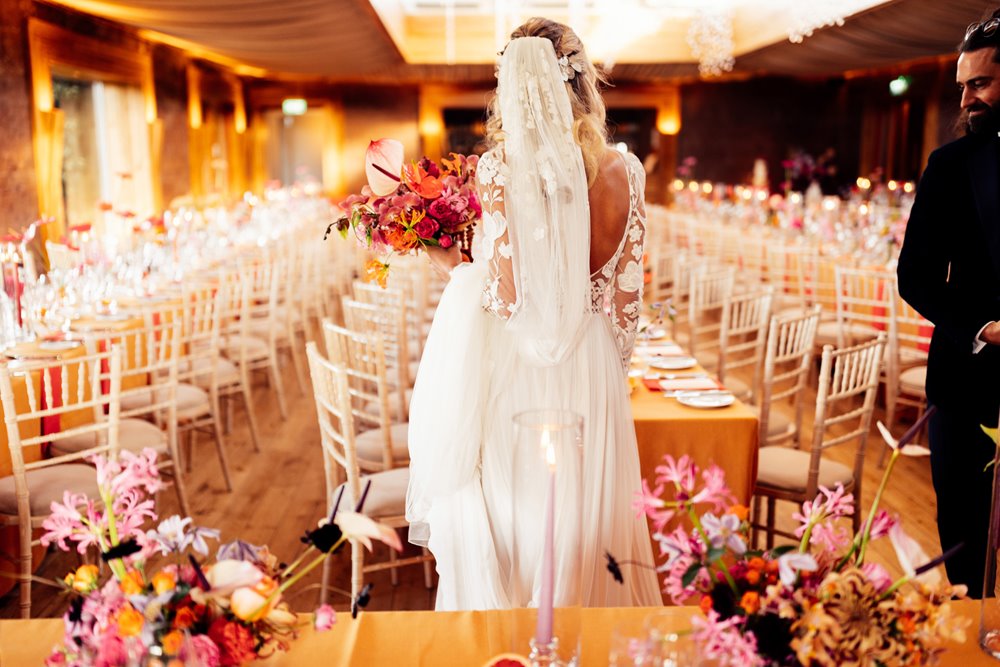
pixel 386 499
pixel 847 377
pixel 742 338
pixel 787 358
pixel 27 494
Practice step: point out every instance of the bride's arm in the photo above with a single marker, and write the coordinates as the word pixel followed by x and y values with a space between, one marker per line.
pixel 500 293
pixel 626 302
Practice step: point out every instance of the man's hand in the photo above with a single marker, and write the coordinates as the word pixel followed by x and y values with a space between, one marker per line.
pixel 991 334
pixel 444 260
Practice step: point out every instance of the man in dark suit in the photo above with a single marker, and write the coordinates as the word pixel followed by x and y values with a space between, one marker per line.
pixel 949 270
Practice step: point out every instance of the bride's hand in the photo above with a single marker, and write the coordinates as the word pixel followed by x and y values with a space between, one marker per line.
pixel 444 260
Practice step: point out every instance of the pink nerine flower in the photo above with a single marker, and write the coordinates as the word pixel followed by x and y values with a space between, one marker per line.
pixel 715 491
pixel 679 473
pixel 325 619
pixel 828 505
pixel 882 524
pixel 724 642
pixel 651 504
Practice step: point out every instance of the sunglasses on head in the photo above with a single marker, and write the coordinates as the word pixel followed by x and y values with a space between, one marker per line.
pixel 988 27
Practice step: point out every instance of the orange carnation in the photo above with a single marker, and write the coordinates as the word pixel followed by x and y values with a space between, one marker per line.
pixel 130 622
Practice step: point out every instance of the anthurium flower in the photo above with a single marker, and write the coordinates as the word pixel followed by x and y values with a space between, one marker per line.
pixel 228 575
pixel 252 603
pixel 361 528
pixel 907 449
pixel 910 556
pixel 383 163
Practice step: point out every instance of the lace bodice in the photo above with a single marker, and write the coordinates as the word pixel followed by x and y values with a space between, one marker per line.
pixel 615 289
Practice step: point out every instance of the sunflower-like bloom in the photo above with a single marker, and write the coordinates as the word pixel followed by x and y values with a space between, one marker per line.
pixel 848 624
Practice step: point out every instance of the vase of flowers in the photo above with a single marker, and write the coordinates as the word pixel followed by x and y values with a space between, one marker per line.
pixel 191 609
pixel 406 207
pixel 817 602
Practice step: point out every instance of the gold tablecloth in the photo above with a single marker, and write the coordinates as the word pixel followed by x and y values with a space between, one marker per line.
pixel 414 638
pixel 724 436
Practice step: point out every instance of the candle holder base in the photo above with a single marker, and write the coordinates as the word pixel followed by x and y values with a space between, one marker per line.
pixel 545 655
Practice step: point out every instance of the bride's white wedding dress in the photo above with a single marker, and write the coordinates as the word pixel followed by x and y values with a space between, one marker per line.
pixel 488 357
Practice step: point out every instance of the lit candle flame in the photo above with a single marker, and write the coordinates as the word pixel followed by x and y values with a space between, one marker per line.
pixel 550 451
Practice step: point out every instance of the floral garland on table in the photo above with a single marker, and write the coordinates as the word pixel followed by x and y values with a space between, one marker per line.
pixel 407 207
pixel 815 603
pixel 226 612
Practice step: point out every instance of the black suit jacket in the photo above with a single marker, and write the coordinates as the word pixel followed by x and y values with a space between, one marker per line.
pixel 948 271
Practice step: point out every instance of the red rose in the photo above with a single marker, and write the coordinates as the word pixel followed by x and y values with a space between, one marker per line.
pixel 445 241
pixel 426 228
pixel 235 642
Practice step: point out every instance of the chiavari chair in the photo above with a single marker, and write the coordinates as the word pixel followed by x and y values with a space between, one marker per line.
pixel 742 338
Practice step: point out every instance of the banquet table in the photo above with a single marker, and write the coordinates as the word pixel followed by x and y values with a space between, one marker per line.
pixel 724 436
pixel 439 639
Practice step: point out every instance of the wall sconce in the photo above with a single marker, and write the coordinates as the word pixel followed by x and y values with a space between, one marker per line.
pixel 668 121
pixel 294 106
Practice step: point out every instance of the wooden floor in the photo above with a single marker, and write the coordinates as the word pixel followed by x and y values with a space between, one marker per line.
pixel 278 494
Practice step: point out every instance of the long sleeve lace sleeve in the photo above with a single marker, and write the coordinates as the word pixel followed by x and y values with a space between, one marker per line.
pixel 627 282
pixel 500 292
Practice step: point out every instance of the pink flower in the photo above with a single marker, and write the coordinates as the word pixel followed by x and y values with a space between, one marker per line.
pixel 724 641
pixel 679 473
pixel 829 537
pixel 650 503
pixel 793 562
pixel 828 505
pixel 673 584
pixel 715 492
pixel 64 522
pixel 449 209
pixel 426 228
pixel 111 651
pixel 882 524
pixel 206 651
pixel 878 575
pixel 446 241
pixel 325 618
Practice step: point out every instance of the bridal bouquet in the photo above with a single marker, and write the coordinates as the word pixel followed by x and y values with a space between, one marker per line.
pixel 407 207
pixel 815 603
pixel 224 611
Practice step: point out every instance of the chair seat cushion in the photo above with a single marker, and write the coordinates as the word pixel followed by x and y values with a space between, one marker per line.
pixel 913 380
pixel 370 443
pixel 386 497
pixel 827 333
pixel 372 408
pixel 788 470
pixel 257 348
pixel 200 368
pixel 192 401
pixel 263 327
pixel 133 435
pixel 46 485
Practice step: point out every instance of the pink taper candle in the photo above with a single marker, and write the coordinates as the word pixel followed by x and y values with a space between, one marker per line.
pixel 543 633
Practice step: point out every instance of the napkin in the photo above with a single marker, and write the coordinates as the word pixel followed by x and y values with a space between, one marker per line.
pixel 684 384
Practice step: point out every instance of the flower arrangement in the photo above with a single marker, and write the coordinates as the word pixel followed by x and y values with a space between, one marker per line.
pixel 815 603
pixel 407 207
pixel 228 611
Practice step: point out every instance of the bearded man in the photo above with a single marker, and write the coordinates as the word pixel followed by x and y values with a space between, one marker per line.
pixel 949 270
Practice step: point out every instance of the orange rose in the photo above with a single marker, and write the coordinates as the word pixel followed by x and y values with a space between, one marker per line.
pixel 756 563
pixel 705 603
pixel 741 511
pixel 750 602
pixel 164 581
pixel 752 577
pixel 184 618
pixel 172 642
pixel 84 579
pixel 130 622
pixel 132 584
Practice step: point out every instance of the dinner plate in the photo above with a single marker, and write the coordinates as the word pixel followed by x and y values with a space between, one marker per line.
pixel 653 333
pixel 58 345
pixel 695 400
pixel 672 363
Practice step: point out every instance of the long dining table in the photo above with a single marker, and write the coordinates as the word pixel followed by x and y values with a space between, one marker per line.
pixel 435 639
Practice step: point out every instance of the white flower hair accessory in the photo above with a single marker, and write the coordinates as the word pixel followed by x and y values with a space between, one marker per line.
pixel 570 64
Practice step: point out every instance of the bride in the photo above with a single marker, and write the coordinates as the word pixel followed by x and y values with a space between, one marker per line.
pixel 545 317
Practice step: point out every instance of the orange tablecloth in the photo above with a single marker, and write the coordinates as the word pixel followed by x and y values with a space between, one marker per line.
pixel 414 638
pixel 724 436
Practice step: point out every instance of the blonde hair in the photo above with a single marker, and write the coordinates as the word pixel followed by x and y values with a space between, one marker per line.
pixel 589 112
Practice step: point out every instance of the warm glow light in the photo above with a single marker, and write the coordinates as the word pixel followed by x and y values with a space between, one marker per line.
pixel 830 203
pixel 678 184
pixel 550 451
pixel 864 183
pixel 431 127
pixel 706 187
pixel 668 121
pixel 693 186
pixel 795 197
pixel 761 195
pixel 747 194
pixel 893 185
pixel 863 209
pixel 294 106
pixel 907 187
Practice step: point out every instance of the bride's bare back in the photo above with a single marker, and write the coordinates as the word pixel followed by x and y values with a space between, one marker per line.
pixel 609 209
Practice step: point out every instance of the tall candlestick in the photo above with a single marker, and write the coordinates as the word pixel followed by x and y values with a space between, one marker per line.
pixel 543 633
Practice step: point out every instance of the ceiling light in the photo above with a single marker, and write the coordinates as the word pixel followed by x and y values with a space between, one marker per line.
pixel 293 106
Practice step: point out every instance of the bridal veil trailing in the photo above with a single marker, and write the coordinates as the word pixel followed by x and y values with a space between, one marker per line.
pixel 525 326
